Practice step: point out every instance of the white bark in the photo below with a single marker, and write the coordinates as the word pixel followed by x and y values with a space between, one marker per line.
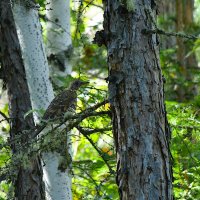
pixel 33 53
pixel 41 91
pixel 57 183
pixel 59 44
pixel 58 40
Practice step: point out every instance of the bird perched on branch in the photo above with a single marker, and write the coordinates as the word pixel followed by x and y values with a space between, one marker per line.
pixel 62 103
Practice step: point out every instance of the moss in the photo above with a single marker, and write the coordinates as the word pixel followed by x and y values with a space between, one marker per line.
pixel 129 4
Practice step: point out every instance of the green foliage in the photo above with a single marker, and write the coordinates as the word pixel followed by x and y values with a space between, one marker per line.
pixel 180 84
pixel 5 152
pixel 183 117
pixel 94 154
pixel 184 120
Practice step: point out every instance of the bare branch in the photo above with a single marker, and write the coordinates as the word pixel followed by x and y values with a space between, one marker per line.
pixel 79 117
pixel 4 116
pixel 161 32
pixel 87 131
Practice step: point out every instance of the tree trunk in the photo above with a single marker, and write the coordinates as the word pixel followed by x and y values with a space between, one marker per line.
pixel 59 44
pixel 188 22
pixel 184 22
pixel 140 126
pixel 167 14
pixel 41 91
pixel 29 184
pixel 180 28
pixel 59 50
pixel 34 55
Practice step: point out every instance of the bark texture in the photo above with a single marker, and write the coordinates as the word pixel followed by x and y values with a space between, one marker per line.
pixel 29 184
pixel 140 126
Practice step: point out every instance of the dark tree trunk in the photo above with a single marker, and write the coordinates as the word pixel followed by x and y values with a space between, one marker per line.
pixel 28 184
pixel 140 126
pixel 187 63
pixel 184 21
pixel 179 28
pixel 167 14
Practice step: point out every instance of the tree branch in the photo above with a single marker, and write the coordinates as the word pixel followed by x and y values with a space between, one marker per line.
pixel 161 32
pixel 4 116
pixel 87 131
pixel 93 144
pixel 77 118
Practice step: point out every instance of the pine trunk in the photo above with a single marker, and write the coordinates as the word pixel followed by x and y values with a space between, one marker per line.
pixel 136 95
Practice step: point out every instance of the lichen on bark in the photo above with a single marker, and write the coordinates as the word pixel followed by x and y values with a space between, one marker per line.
pixel 129 4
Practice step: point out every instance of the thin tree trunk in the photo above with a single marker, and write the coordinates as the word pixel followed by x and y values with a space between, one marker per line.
pixel 59 49
pixel 59 43
pixel 29 184
pixel 184 21
pixel 140 126
pixel 179 28
pixel 188 22
pixel 167 13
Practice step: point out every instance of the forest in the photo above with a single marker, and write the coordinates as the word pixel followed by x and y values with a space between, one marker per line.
pixel 99 99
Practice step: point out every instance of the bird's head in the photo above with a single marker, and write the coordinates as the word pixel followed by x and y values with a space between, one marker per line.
pixel 75 85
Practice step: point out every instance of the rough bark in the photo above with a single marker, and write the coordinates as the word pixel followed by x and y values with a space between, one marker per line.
pixel 28 184
pixel 136 95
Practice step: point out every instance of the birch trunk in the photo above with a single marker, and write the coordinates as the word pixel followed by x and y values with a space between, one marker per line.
pixel 59 44
pixel 59 49
pixel 136 95
pixel 41 91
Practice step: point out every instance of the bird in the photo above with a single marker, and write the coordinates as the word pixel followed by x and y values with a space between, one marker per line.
pixel 62 103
